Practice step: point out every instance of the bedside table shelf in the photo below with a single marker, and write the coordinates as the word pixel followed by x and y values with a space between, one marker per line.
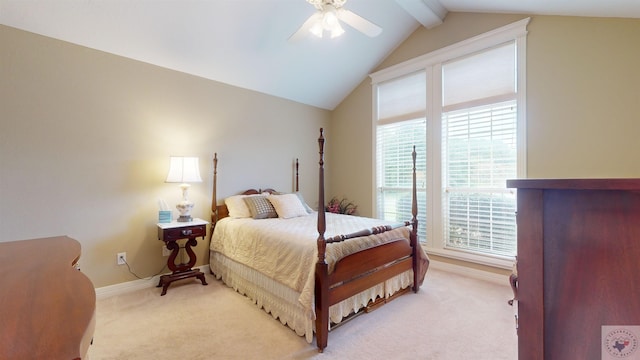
pixel 170 233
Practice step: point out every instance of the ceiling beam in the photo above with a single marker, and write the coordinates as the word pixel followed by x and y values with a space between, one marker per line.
pixel 430 13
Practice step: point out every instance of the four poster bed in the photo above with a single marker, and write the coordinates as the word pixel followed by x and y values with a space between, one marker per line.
pixel 311 269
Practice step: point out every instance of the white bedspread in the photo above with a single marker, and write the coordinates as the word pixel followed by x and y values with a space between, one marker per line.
pixel 286 250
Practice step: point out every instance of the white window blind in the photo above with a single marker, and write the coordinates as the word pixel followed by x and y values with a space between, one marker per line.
pixel 479 155
pixel 400 126
pixel 480 78
pixel 395 144
pixel 467 102
pixel 402 99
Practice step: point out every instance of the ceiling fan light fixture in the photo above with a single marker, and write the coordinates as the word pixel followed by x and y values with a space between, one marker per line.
pixel 331 23
pixel 317 29
pixel 329 16
pixel 326 19
pixel 336 31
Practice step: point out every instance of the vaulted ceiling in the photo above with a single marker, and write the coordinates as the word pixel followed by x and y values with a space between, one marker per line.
pixel 245 42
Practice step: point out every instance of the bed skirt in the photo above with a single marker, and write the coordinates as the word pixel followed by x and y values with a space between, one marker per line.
pixel 282 302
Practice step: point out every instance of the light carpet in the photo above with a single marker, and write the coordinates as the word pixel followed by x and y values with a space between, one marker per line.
pixel 452 317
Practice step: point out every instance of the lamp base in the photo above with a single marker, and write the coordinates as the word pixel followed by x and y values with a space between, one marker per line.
pixel 184 207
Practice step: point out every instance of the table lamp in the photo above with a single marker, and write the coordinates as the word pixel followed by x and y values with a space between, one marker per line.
pixel 184 170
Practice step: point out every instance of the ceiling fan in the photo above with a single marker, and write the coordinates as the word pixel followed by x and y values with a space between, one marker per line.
pixel 328 17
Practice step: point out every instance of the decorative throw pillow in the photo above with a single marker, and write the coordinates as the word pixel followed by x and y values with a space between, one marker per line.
pixel 260 207
pixel 287 205
pixel 237 206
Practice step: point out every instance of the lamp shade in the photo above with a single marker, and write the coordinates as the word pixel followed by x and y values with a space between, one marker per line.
pixel 183 169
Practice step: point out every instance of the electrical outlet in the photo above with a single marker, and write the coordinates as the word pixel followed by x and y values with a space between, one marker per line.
pixel 165 251
pixel 122 258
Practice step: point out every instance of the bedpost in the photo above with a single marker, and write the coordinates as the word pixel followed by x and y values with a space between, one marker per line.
pixel 297 181
pixel 413 237
pixel 321 215
pixel 214 200
pixel 322 277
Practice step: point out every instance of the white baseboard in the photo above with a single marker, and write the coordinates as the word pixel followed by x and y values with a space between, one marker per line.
pixel 129 286
pixel 470 272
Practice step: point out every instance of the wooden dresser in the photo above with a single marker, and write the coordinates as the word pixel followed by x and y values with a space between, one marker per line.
pixel 578 264
pixel 47 306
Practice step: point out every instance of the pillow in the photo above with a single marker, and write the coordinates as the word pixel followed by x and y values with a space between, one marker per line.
pixel 288 205
pixel 237 207
pixel 260 207
pixel 304 203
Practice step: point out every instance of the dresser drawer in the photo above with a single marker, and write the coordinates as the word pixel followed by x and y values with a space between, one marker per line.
pixel 182 232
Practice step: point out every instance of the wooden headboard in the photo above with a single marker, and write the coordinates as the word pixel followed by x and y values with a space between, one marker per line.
pixel 220 211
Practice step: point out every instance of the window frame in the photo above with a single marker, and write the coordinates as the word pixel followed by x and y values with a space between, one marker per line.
pixel 431 63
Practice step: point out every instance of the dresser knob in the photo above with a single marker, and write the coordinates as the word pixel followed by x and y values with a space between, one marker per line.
pixel 187 232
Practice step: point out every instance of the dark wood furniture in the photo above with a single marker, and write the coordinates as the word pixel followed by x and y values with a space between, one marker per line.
pixel 578 264
pixel 170 233
pixel 358 271
pixel 47 306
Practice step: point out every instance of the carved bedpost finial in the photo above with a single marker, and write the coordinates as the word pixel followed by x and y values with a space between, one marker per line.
pixel 321 147
pixel 214 200
pixel 321 216
pixel 413 236
pixel 414 206
pixel 297 179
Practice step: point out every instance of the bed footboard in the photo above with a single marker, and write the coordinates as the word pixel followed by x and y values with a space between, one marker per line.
pixel 357 272
pixel 363 269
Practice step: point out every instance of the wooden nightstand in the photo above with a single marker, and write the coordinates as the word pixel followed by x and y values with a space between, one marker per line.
pixel 170 233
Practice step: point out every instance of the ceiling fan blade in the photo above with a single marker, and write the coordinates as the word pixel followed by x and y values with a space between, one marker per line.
pixel 305 28
pixel 359 23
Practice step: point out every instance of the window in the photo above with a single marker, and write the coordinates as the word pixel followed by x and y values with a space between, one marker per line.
pixel 401 126
pixel 462 107
pixel 479 155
